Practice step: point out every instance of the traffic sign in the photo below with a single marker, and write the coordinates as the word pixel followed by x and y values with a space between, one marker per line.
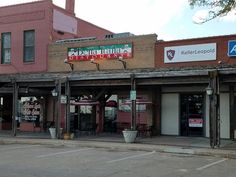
pixel 232 48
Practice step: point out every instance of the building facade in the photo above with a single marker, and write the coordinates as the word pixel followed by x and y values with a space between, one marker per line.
pixel 88 84
pixel 26 31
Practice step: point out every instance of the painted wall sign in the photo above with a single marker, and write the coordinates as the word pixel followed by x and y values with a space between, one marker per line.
pixel 232 48
pixel 190 53
pixel 99 52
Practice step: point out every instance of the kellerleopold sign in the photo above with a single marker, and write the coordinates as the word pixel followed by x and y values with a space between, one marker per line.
pixel 232 48
pixel 99 52
pixel 190 53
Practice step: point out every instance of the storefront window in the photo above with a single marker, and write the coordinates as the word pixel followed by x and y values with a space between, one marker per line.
pixel 125 105
pixel 30 109
pixel 86 109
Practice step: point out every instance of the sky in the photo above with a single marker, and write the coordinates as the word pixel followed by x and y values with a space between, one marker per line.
pixel 169 19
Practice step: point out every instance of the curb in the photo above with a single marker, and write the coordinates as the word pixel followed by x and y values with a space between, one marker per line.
pixel 230 154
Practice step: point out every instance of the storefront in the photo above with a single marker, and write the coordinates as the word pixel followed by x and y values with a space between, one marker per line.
pixel 93 87
pixel 187 109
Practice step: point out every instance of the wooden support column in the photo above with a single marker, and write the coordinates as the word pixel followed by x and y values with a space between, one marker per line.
pixel 232 112
pixel 101 113
pixel 67 91
pixel 59 109
pixel 133 108
pixel 15 107
pixel 214 109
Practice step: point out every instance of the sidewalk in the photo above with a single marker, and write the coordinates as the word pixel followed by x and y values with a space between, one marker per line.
pixel 168 144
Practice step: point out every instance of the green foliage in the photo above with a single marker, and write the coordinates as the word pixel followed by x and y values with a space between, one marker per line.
pixel 217 7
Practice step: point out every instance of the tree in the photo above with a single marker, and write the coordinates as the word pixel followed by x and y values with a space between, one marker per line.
pixel 218 8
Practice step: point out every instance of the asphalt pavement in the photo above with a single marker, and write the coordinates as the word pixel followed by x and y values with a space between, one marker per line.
pixel 168 144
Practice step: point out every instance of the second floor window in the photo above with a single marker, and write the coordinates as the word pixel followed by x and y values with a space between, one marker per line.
pixel 29 46
pixel 6 48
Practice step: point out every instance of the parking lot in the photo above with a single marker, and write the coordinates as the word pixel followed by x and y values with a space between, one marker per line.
pixel 59 161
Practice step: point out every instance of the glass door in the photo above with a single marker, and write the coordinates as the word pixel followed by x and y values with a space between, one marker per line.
pixel 191 115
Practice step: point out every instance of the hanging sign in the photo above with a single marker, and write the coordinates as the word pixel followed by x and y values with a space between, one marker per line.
pixel 63 99
pixel 133 95
pixel 99 52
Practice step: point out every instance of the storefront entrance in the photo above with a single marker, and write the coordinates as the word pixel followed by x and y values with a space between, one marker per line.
pixel 191 115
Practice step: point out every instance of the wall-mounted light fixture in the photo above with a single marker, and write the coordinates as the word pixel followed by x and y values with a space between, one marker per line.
pixel 54 93
pixel 209 90
pixel 121 59
pixel 71 64
pixel 97 64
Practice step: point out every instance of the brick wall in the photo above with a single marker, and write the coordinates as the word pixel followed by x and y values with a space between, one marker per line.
pixel 143 54
pixel 221 57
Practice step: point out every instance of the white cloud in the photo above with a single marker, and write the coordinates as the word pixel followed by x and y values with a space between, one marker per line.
pixel 200 16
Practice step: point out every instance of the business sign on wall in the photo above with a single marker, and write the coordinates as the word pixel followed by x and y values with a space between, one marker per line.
pixel 190 53
pixel 99 52
pixel 232 48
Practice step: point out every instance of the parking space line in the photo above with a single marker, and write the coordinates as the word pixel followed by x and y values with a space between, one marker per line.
pixel 131 157
pixel 211 164
pixel 63 152
pixel 18 147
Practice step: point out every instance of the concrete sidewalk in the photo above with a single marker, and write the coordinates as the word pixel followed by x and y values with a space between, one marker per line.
pixel 168 144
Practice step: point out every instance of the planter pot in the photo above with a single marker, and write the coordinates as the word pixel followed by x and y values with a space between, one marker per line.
pixel 52 132
pixel 66 136
pixel 129 135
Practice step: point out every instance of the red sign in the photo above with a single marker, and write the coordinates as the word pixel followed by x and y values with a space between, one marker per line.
pixel 193 122
pixel 99 52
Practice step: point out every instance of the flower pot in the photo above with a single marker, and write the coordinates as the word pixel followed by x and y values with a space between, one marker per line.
pixel 52 132
pixel 129 135
pixel 66 136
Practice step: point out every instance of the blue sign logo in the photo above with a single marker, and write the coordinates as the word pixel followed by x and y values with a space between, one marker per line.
pixel 232 48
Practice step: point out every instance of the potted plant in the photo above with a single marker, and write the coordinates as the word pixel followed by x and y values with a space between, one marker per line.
pixel 129 135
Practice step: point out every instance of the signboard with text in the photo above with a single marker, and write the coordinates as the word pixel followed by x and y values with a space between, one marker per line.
pixel 193 122
pixel 190 53
pixel 30 111
pixel 232 48
pixel 100 52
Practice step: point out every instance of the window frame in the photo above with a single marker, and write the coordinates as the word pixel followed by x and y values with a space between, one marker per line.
pixel 4 48
pixel 28 47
